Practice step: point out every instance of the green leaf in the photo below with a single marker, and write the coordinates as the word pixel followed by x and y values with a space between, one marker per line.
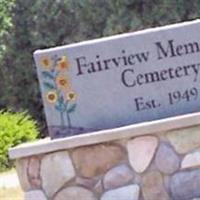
pixel 72 108
pixel 58 108
pixel 49 86
pixel 61 100
pixel 47 74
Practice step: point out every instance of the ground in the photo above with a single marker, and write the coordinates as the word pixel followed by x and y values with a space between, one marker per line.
pixel 9 186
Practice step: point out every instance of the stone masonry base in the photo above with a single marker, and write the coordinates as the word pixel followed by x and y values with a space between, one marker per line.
pixel 157 166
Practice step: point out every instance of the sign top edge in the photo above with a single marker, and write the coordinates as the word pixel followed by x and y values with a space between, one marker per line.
pixel 117 36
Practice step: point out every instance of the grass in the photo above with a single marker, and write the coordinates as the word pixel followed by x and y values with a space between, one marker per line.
pixel 11 194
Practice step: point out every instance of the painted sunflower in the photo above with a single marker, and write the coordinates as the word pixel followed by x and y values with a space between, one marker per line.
pixel 62 82
pixel 45 62
pixel 63 63
pixel 71 96
pixel 52 97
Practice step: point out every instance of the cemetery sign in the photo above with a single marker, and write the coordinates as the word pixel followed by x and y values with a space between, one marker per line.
pixel 121 80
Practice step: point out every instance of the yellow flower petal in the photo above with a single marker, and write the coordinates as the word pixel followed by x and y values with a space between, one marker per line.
pixel 51 97
pixel 62 82
pixel 45 62
pixel 63 63
pixel 71 96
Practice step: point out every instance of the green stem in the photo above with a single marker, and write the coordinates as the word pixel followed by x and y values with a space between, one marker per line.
pixel 62 119
pixel 68 117
pixel 69 121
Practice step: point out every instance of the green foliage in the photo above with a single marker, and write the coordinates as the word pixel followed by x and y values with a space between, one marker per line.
pixel 15 128
pixel 5 21
pixel 40 24
pixel 72 108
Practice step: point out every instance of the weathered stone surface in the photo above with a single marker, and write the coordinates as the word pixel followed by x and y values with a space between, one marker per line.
pixel 191 160
pixel 118 176
pixel 141 151
pixel 35 195
pixel 34 172
pixel 130 192
pixel 56 169
pixel 96 160
pixel 185 185
pixel 75 193
pixel 153 187
pixel 98 188
pixel 86 182
pixel 185 140
pixel 167 161
pixel 166 182
pixel 22 167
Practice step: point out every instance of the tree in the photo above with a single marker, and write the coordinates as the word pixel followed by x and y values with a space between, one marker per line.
pixel 5 24
pixel 42 24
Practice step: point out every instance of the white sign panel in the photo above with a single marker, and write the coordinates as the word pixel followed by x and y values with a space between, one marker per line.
pixel 121 80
